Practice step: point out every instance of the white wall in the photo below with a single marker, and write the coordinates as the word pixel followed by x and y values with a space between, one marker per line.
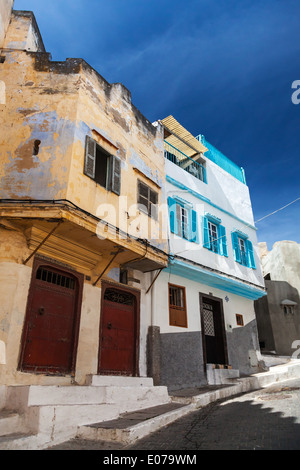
pixel 233 197
pixel 235 304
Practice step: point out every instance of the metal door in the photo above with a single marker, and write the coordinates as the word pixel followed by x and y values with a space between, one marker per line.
pixel 213 331
pixel 118 342
pixel 50 328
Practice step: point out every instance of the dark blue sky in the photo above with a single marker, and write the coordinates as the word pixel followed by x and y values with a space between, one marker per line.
pixel 222 68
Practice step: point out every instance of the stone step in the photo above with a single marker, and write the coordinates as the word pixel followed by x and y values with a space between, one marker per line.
pixel 119 381
pixel 19 441
pixel 135 425
pixel 218 375
pixel 10 422
pixel 20 397
pixel 47 395
pixel 53 413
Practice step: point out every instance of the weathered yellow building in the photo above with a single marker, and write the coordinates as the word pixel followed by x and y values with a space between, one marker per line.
pixel 81 235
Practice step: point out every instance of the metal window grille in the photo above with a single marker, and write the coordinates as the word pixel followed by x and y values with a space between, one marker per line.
pixel 53 277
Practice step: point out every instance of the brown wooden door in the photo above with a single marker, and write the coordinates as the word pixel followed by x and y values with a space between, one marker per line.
pixel 118 341
pixel 50 327
pixel 213 331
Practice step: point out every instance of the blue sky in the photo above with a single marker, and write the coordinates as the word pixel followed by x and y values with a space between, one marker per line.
pixel 222 68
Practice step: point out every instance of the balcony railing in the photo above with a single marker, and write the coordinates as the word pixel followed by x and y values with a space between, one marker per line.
pixel 185 162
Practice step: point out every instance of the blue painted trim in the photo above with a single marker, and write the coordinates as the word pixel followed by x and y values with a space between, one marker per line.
pixel 205 199
pixel 222 161
pixel 197 274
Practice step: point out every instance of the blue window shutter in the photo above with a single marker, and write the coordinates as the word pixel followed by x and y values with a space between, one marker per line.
pixel 236 248
pixel 222 240
pixel 172 213
pixel 205 233
pixel 194 234
pixel 251 260
pixel 204 175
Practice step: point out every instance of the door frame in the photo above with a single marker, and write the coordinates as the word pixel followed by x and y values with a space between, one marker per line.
pixel 38 262
pixel 220 301
pixel 137 296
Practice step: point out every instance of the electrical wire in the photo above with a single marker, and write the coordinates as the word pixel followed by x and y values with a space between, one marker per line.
pixel 275 212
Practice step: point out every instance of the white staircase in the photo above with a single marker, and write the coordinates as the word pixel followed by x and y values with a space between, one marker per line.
pixel 220 375
pixel 37 416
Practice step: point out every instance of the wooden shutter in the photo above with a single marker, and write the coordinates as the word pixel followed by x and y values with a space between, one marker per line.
pixel 194 234
pixel 251 260
pixel 205 233
pixel 222 240
pixel 90 157
pixel 172 212
pixel 177 306
pixel 236 248
pixel 115 175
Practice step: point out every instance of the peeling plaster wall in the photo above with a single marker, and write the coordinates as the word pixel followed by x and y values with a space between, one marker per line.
pixel 58 104
pixel 5 12
pixel 41 107
pixel 14 285
pixel 23 32
pixel 106 113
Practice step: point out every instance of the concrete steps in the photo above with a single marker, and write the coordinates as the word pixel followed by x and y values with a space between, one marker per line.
pixel 113 409
pixel 135 425
pixel 47 415
pixel 130 427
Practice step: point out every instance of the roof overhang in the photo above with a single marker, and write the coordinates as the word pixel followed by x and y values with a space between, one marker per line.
pixel 179 137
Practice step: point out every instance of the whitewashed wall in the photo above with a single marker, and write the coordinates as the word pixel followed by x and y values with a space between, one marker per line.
pixel 233 197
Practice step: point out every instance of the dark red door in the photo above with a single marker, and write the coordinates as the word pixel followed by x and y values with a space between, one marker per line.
pixel 118 333
pixel 50 325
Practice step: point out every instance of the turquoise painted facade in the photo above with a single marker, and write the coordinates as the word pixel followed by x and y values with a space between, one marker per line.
pixel 222 161
pixel 214 280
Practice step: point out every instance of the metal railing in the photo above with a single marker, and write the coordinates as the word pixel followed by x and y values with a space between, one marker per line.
pixel 185 162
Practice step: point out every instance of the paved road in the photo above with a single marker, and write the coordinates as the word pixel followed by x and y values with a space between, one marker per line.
pixel 267 419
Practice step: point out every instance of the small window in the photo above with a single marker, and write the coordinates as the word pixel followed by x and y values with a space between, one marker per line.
pixel 243 250
pixel 214 235
pixel 147 200
pixel 183 220
pixel 289 309
pixel 53 277
pixel 102 167
pixel 177 306
pixel 239 319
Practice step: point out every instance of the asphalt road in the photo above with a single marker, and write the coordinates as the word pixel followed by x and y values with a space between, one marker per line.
pixel 268 419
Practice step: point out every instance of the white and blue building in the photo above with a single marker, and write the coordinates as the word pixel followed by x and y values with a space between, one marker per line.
pixel 203 303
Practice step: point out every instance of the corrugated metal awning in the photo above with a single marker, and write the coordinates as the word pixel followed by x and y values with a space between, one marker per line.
pixel 182 139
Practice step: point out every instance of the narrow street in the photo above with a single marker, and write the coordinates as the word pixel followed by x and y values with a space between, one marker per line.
pixel 267 419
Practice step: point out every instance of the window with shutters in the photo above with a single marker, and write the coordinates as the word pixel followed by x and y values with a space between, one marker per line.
pixel 102 167
pixel 183 219
pixel 177 306
pixel 243 249
pixel 214 235
pixel 147 200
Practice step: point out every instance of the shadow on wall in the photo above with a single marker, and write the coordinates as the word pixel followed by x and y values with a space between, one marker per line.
pixel 243 349
pixel 181 360
pixel 278 318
